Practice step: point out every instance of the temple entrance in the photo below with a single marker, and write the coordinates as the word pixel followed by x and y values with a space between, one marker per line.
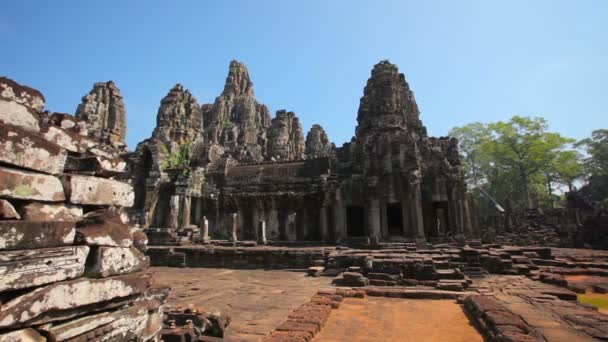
pixel 436 222
pixel 355 221
pixel 394 219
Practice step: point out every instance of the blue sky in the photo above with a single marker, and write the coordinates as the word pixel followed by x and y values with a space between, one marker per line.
pixel 465 60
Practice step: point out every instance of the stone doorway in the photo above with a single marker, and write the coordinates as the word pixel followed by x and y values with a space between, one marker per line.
pixel 394 219
pixel 355 221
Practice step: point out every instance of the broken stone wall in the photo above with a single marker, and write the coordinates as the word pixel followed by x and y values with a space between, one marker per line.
pixel 71 267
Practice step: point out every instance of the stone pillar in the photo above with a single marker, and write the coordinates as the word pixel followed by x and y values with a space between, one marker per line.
pixel 204 225
pixel 186 211
pixel 235 226
pixel 197 207
pixel 373 214
pixel 323 224
pixel 174 212
pixel 416 205
pixel 291 227
pixel 262 231
pixel 339 218
pixel 273 220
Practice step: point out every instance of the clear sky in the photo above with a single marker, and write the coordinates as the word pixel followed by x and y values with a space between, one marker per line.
pixel 465 60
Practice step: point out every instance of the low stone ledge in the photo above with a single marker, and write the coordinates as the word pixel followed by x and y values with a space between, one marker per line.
pixel 45 212
pixel 495 322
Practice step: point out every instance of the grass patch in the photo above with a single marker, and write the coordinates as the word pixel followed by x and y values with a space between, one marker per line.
pixel 600 301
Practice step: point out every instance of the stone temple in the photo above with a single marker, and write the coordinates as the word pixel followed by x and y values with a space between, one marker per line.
pixel 223 198
pixel 238 167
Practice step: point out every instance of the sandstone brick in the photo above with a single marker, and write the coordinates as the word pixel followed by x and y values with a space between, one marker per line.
pixel 27 150
pixel 30 268
pixel 32 235
pixel 69 140
pixel 97 165
pixel 97 191
pixel 19 115
pixel 109 261
pixel 22 335
pixel 23 95
pixel 131 322
pixel 50 212
pixel 104 228
pixel 58 301
pixel 27 185
pixel 7 211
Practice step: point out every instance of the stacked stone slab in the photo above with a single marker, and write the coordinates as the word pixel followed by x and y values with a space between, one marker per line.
pixel 71 269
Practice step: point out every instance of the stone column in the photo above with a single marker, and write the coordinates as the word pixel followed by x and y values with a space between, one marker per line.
pixel 186 211
pixel 291 227
pixel 273 219
pixel 323 224
pixel 373 214
pixel 416 205
pixel 339 218
pixel 235 227
pixel 204 225
pixel 262 231
pixel 174 212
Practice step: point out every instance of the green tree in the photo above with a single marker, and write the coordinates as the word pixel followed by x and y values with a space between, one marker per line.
pixel 523 145
pixel 471 140
pixel 596 165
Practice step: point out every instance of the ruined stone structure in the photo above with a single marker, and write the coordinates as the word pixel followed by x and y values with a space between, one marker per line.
pixel 71 267
pixel 390 182
pixel 104 113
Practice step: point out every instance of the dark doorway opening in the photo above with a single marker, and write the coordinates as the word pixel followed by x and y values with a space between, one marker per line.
pixel 141 173
pixel 436 221
pixel 394 219
pixel 355 221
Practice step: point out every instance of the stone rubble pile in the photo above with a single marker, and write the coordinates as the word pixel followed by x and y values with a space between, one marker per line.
pixel 193 325
pixel 71 268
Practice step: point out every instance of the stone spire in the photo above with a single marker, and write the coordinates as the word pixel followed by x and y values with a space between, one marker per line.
pixel 387 102
pixel 237 104
pixel 236 120
pixel 238 82
pixel 285 137
pixel 318 144
pixel 179 117
pixel 105 114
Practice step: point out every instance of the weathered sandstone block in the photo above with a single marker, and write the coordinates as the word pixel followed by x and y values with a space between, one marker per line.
pixel 7 211
pixel 50 212
pixel 23 335
pixel 32 235
pixel 109 261
pixel 58 301
pixel 35 267
pixel 23 95
pixel 115 325
pixel 104 228
pixel 71 141
pixel 97 191
pixel 97 165
pixel 25 149
pixel 30 186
